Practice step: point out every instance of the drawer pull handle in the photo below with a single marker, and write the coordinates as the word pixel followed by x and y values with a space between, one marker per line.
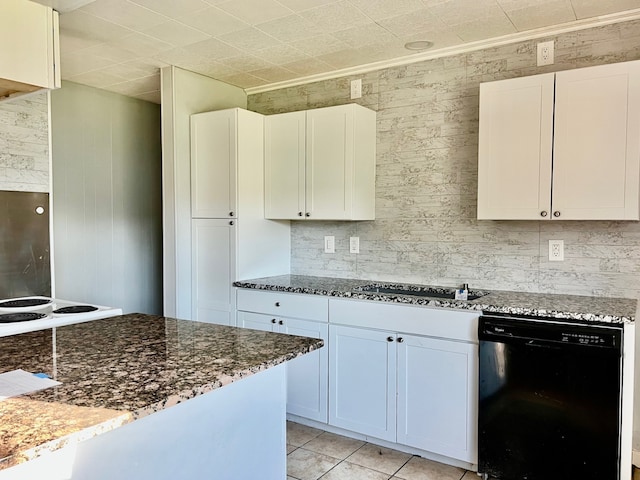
pixel 281 322
pixel 543 213
pixel 389 339
pixel 299 214
pixel 273 320
pixel 277 304
pixel 231 214
pixel 400 339
pixel 556 213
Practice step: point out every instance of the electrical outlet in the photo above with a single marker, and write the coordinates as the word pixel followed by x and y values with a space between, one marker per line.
pixel 356 88
pixel 329 244
pixel 354 244
pixel 556 250
pixel 545 53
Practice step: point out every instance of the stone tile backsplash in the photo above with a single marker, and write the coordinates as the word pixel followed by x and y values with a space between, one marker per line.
pixel 427 134
pixel 24 144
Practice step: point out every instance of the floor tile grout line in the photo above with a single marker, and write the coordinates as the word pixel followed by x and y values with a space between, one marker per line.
pixel 402 466
pixel 345 459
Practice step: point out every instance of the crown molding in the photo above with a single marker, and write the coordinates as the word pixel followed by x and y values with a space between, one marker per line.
pixel 600 21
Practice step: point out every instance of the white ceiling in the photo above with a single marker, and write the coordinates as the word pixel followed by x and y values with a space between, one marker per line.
pixel 119 45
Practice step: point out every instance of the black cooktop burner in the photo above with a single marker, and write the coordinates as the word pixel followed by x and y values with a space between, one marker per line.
pixel 20 317
pixel 25 302
pixel 76 309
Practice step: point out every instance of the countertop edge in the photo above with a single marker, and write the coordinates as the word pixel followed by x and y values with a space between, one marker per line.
pixel 185 395
pixel 70 439
pixel 471 305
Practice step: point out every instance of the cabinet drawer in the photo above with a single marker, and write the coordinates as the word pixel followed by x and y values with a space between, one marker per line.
pixel 311 307
pixel 433 322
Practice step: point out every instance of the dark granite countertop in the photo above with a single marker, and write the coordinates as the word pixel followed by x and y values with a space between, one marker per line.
pixel 573 307
pixel 119 369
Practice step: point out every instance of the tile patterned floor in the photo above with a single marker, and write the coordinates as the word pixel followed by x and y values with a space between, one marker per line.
pixel 313 454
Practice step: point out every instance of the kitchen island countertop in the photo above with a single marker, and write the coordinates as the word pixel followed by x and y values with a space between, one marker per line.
pixel 120 369
pixel 571 307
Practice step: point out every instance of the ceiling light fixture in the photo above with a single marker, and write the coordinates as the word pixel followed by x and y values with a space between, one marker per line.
pixel 418 45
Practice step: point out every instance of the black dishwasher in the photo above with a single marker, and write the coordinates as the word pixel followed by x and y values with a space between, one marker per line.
pixel 549 399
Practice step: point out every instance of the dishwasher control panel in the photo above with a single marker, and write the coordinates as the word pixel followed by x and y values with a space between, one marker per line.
pixel 587 339
pixel 537 331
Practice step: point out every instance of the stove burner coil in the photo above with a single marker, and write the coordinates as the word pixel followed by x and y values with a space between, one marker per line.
pixel 25 302
pixel 21 317
pixel 76 309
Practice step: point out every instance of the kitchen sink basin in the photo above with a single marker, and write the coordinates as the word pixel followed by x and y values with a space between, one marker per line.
pixel 418 292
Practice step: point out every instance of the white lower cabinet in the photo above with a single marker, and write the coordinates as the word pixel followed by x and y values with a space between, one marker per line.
pixel 437 396
pixel 416 385
pixel 212 250
pixel 307 376
pixel 413 390
pixel 362 381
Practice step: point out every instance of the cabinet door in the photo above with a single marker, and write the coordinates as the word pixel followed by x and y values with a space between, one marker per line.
pixel 257 321
pixel 437 396
pixel 213 164
pixel 308 375
pixel 36 63
pixel 329 162
pixel 515 148
pixel 362 381
pixel 597 145
pixel 212 256
pixel 284 165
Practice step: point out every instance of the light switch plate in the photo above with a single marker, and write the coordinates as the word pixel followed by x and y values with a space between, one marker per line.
pixel 329 244
pixel 354 244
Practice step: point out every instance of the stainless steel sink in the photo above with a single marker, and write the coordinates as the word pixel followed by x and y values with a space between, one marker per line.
pixel 418 292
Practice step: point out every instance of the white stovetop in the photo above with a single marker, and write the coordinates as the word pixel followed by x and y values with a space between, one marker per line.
pixel 56 320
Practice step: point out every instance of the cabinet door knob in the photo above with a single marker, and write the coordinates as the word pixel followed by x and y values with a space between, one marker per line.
pixel 400 339
pixel 273 320
pixel 556 213
pixel 307 214
pixel 277 304
pixel 281 322
pixel 543 213
pixel 389 339
pixel 231 214
pixel 299 214
pixel 231 222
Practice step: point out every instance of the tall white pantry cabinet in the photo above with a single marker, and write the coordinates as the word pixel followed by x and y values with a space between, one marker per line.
pixel 231 239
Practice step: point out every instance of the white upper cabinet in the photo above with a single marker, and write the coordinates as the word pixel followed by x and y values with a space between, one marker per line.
pixel 284 165
pixel 596 164
pixel 320 164
pixel 214 138
pixel 561 146
pixel 30 52
pixel 514 149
